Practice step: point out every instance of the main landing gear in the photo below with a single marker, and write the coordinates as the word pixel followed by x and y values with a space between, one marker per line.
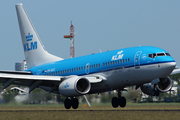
pixel 73 102
pixel 118 101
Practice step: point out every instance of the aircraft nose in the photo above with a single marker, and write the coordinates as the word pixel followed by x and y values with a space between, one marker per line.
pixel 172 65
pixel 167 68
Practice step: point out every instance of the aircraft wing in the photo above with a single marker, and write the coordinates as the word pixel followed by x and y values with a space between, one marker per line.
pixel 33 81
pixel 16 72
pixel 175 71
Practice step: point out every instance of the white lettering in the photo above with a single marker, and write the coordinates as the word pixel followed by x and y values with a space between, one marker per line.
pixel 118 56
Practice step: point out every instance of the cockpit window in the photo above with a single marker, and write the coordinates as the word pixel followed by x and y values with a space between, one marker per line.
pixel 153 55
pixel 150 55
pixel 160 54
pixel 167 54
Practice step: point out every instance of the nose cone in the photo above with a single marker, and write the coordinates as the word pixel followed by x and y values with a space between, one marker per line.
pixel 171 66
pixel 167 68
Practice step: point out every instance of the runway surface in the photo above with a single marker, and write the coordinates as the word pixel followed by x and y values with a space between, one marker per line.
pixel 148 110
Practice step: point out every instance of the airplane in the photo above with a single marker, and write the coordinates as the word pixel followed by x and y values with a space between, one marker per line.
pixel 145 67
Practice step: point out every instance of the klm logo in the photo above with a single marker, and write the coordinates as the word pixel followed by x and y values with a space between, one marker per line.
pixel 66 86
pixel 29 37
pixel 30 45
pixel 118 56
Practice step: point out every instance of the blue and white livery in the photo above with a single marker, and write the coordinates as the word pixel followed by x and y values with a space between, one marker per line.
pixel 146 67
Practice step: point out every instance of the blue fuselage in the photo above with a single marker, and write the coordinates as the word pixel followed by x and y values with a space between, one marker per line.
pixel 121 68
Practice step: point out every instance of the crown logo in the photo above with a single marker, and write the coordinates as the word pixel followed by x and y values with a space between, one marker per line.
pixel 29 37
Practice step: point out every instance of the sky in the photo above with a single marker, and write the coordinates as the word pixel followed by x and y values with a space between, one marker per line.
pixel 99 25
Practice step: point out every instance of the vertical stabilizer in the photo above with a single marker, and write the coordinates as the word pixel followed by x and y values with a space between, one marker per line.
pixel 35 53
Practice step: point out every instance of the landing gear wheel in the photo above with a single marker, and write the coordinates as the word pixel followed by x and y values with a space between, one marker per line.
pixel 75 103
pixel 115 102
pixel 122 101
pixel 155 93
pixel 67 103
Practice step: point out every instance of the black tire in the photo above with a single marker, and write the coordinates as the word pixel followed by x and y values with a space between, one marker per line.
pixel 75 103
pixel 115 102
pixel 122 102
pixel 67 103
pixel 153 93
pixel 157 93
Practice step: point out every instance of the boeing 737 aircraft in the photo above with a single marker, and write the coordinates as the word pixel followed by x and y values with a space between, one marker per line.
pixel 145 67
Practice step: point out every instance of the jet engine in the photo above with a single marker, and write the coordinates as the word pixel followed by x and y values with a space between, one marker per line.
pixel 164 85
pixel 74 86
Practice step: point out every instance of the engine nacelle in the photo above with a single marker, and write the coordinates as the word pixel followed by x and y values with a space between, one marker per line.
pixel 74 86
pixel 164 85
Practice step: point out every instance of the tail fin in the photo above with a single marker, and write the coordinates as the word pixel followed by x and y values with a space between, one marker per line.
pixel 35 53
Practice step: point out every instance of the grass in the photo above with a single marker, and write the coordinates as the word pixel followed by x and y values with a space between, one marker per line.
pixel 133 111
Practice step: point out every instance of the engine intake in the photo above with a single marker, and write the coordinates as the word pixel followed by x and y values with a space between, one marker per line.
pixel 163 86
pixel 74 86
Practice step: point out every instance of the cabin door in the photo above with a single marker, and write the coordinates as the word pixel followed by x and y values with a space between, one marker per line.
pixel 137 59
